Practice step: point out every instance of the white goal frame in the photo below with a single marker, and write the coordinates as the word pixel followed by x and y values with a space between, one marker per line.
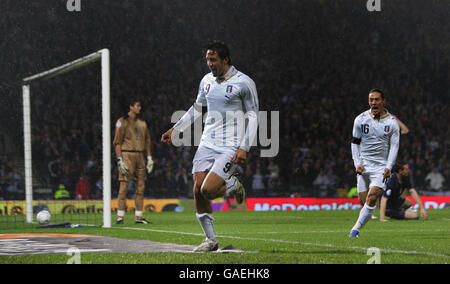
pixel 103 56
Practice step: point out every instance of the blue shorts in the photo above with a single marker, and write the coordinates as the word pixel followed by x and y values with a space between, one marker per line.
pixel 394 208
pixel 396 213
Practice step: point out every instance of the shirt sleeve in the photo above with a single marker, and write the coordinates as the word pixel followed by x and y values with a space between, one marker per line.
pixel 251 103
pixel 356 129
pixel 119 132
pixel 201 95
pixel 355 146
pixel 394 145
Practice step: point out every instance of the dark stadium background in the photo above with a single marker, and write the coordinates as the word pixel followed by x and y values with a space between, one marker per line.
pixel 313 61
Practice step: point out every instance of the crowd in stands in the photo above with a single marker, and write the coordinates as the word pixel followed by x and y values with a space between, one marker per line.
pixel 314 63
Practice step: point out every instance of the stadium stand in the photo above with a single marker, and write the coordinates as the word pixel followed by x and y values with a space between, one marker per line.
pixel 318 80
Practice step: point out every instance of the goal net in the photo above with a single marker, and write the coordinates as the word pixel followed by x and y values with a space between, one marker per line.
pixel 46 167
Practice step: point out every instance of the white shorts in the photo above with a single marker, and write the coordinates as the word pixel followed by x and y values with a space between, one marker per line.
pixel 368 179
pixel 207 159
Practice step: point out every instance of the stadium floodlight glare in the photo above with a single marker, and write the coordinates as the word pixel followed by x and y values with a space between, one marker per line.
pixel 102 55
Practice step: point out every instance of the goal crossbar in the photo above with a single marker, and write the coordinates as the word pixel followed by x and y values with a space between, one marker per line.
pixel 103 56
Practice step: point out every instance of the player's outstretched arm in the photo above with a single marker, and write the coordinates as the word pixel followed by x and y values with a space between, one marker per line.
pixel 383 203
pixel 416 197
pixel 167 136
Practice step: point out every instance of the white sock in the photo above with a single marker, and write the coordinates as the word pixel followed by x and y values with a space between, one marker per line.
pixel 138 213
pixel 232 184
pixel 206 221
pixel 120 213
pixel 364 216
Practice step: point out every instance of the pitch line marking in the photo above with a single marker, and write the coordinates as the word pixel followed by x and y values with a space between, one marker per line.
pixel 289 242
pixel 343 231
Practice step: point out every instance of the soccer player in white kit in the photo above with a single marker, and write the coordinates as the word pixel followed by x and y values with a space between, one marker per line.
pixel 230 96
pixel 376 138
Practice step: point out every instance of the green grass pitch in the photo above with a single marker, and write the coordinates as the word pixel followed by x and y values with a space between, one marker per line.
pixel 279 237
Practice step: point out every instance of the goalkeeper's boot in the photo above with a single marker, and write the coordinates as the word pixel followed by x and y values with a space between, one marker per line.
pixel 142 221
pixel 239 193
pixel 207 245
pixel 119 221
pixel 354 234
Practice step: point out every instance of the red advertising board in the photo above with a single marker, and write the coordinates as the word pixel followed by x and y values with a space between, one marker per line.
pixel 297 204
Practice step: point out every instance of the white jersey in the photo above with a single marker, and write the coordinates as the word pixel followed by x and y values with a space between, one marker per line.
pixel 375 143
pixel 228 104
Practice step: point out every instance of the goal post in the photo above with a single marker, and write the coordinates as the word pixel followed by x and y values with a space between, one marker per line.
pixel 102 56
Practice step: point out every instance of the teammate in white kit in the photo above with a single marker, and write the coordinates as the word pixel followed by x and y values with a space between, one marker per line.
pixel 230 96
pixel 376 138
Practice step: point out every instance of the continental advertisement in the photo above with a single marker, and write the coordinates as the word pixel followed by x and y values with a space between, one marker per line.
pixel 18 207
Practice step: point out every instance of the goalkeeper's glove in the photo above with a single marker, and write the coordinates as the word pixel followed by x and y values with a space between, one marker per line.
pixel 123 168
pixel 149 164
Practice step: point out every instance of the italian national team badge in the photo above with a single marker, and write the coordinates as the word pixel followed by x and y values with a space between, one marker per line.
pixel 387 128
pixel 229 88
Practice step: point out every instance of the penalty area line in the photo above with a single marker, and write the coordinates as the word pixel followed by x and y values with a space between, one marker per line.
pixel 291 242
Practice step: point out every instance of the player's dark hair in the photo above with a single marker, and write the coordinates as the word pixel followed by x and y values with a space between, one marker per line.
pixel 377 91
pixel 129 102
pixel 133 101
pixel 221 49
pixel 399 166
